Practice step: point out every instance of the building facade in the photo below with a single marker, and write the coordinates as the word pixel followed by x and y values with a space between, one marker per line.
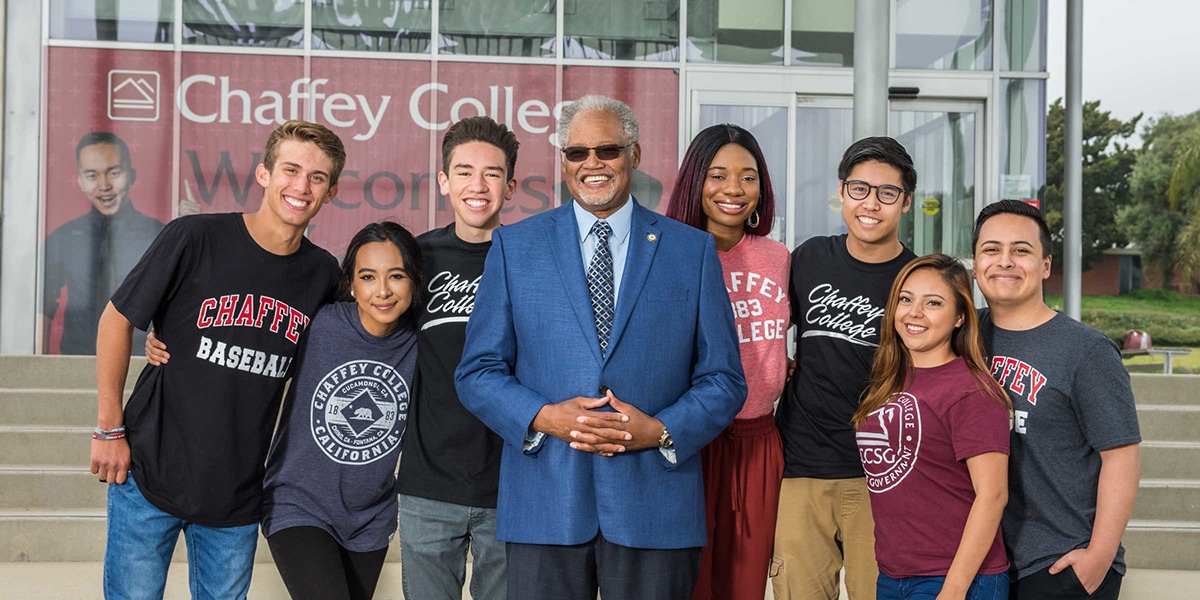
pixel 193 87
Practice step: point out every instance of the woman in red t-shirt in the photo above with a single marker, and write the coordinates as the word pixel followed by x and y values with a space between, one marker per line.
pixel 933 436
pixel 723 188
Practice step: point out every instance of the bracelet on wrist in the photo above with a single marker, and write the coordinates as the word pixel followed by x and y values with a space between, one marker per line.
pixel 108 435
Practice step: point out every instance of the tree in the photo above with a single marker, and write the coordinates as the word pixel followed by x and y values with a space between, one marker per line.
pixel 1184 191
pixel 1108 160
pixel 1163 218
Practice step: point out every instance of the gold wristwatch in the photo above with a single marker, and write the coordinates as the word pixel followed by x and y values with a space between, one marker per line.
pixel 664 441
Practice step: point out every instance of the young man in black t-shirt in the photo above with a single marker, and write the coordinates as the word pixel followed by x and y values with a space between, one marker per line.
pixel 230 294
pixel 450 466
pixel 839 287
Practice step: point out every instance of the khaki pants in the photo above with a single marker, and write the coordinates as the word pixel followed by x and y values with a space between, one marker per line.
pixel 824 524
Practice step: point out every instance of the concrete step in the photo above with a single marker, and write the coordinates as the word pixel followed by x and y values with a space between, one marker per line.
pixel 34 535
pixel 1163 545
pixel 76 408
pixel 1168 500
pixel 77 535
pixel 64 372
pixel 1169 423
pixel 1166 389
pixel 50 487
pixel 82 581
pixel 1171 460
pixel 46 445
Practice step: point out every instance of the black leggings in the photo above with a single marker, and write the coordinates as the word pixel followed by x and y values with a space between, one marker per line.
pixel 314 566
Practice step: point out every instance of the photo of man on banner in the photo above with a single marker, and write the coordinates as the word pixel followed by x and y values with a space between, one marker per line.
pixel 87 257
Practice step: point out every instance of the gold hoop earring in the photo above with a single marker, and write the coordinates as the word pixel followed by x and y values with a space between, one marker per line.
pixel 754 220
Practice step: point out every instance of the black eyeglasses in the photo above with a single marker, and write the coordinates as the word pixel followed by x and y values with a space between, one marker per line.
pixel 605 152
pixel 887 194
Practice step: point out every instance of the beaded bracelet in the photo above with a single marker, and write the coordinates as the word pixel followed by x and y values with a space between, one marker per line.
pixel 104 435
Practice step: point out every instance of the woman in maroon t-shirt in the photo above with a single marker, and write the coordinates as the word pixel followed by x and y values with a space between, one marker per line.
pixel 933 437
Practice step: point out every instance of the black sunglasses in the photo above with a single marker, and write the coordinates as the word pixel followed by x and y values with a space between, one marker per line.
pixel 605 152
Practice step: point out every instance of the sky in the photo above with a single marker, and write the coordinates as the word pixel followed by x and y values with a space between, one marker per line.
pixel 1137 56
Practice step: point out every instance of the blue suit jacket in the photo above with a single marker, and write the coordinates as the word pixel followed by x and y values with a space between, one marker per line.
pixel 673 353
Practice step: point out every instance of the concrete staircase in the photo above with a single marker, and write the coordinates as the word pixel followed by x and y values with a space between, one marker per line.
pixel 1165 530
pixel 52 508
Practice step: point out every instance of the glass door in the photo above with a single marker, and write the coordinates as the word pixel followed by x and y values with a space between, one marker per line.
pixel 824 128
pixel 945 139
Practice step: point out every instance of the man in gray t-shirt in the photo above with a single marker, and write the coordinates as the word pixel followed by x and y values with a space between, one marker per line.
pixel 1075 463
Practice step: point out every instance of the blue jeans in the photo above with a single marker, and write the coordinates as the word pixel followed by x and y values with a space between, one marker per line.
pixel 434 539
pixel 984 587
pixel 141 540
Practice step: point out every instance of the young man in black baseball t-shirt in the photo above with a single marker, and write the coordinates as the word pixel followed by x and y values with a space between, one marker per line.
pixel 839 288
pixel 450 466
pixel 231 295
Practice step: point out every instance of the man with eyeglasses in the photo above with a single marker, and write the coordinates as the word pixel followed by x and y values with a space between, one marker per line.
pixel 839 288
pixel 606 359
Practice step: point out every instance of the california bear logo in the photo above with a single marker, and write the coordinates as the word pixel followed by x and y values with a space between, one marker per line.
pixel 359 411
pixel 890 442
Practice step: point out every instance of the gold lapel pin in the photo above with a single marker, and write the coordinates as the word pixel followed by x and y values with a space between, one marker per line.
pixel 652 237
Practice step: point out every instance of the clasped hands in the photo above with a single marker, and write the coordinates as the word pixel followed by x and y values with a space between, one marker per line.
pixel 579 422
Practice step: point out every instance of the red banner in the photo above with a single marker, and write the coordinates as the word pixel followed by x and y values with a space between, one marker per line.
pixel 390 114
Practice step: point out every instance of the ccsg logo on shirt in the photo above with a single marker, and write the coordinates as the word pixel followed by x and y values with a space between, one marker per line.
pixel 890 454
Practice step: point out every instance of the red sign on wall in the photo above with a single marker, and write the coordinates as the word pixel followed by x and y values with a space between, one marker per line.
pixel 195 131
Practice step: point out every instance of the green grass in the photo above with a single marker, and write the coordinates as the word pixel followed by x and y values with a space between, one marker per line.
pixel 1171 319
pixel 1157 301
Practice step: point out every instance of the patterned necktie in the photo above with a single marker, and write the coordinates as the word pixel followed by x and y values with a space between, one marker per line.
pixel 600 284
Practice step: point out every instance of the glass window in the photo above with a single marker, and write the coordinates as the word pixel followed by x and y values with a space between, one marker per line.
pixel 823 33
pixel 374 25
pixel 619 30
pixel 112 20
pixel 496 27
pixel 1023 139
pixel 822 135
pixel 1022 47
pixel 934 34
pixel 735 31
pixel 278 24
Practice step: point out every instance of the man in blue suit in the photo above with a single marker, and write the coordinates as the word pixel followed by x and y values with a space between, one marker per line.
pixel 603 399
